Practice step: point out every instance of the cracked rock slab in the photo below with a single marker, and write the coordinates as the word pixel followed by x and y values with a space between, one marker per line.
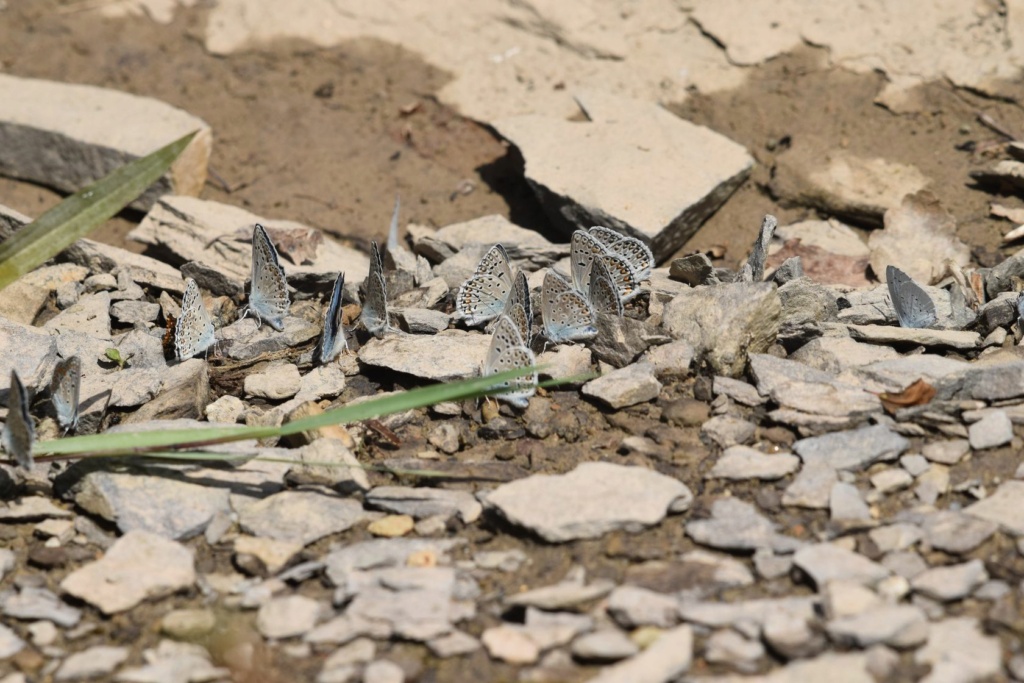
pixel 632 166
pixel 590 501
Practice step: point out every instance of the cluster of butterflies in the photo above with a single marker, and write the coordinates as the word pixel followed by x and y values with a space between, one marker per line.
pixel 606 270
pixel 19 433
pixel 191 333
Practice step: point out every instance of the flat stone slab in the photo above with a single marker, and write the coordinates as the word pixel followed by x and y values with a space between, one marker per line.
pixel 590 501
pixel 664 660
pixel 884 334
pixel 137 567
pixel 160 505
pixel 72 123
pixel 854 449
pixel 844 184
pixel 743 462
pixel 1003 507
pixel 442 357
pixel 301 516
pixel 632 166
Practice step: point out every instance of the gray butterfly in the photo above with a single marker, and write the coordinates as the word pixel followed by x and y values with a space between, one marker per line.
pixel 333 341
pixel 64 392
pixel 753 269
pixel 584 248
pixel 636 254
pixel 602 293
pixel 508 352
pixel 482 297
pixel 375 308
pixel 268 289
pixel 193 331
pixel 913 306
pixel 566 313
pixel 19 432
pixel 519 308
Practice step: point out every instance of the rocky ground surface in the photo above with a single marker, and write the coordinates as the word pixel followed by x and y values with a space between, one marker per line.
pixel 770 479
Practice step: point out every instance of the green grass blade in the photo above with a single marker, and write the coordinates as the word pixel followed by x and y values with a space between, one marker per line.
pixel 138 443
pixel 73 218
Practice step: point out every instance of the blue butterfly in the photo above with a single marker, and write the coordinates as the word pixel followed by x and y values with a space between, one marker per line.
pixel 566 313
pixel 268 289
pixel 636 254
pixel 193 331
pixel 65 389
pixel 333 341
pixel 913 306
pixel 584 248
pixel 375 308
pixel 508 352
pixel 19 433
pixel 482 297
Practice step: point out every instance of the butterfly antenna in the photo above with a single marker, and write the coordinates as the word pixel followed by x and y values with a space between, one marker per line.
pixel 393 231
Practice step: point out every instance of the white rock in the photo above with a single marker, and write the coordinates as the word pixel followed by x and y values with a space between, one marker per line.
pixel 952 582
pixel 919 237
pixel 278 381
pixel 138 566
pixel 625 387
pixel 510 645
pixel 1002 507
pixel 417 354
pixel 991 431
pixel 844 184
pixel 383 671
pixel 94 662
pixel 288 616
pixel 628 135
pixel 958 651
pixel 664 660
pixel 303 516
pixel 632 606
pixel 592 500
pixel 743 462
pixel 227 409
pixel 826 562
pixel 846 504
pixel 73 122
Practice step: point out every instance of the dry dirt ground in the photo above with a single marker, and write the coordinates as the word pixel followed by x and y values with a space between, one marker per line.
pixel 327 137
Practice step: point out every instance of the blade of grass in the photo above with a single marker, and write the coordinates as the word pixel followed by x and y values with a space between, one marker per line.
pixel 73 218
pixel 137 443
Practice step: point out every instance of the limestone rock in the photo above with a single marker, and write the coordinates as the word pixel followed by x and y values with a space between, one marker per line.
pixel 725 323
pixel 73 122
pixel 636 142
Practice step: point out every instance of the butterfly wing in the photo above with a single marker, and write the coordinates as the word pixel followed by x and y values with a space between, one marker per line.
pixel 268 289
pixel 519 308
pixel 604 295
pixel 333 341
pixel 635 252
pixel 914 308
pixel 507 352
pixel 583 249
pixel 565 313
pixel 193 331
pixel 65 388
pixel 483 296
pixel 375 309
pixel 19 433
